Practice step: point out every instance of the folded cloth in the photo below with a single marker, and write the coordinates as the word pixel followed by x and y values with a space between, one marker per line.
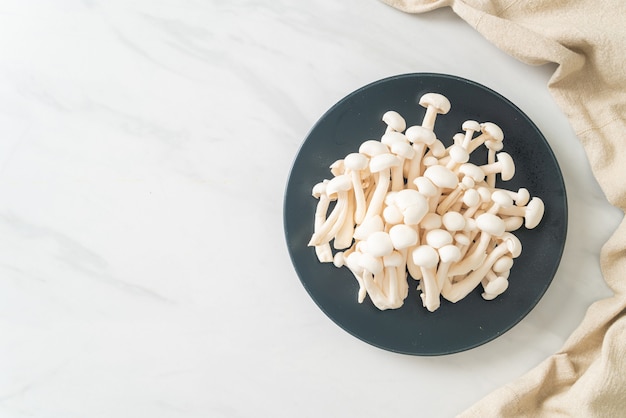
pixel 587 39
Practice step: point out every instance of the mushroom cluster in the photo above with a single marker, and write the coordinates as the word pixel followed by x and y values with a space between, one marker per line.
pixel 408 205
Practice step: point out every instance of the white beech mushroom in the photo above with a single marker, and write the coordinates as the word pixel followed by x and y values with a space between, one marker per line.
pixel 493 146
pixel 532 212
pixel 435 104
pixel 421 138
pixel 504 165
pixel 469 126
pixel 404 152
pixel 323 251
pixel 395 121
pixel 380 165
pixel 426 258
pixel 489 131
pixel 355 163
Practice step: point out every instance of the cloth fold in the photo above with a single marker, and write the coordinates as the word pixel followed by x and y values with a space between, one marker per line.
pixel 587 41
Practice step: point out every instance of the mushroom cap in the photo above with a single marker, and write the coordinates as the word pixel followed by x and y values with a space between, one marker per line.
pixel 467 182
pixel 438 101
pixel 425 256
pixel 403 149
pixel 453 221
pixel 431 221
pixel 471 198
pixel 353 262
pixel 390 197
pixel 523 196
pixel 393 137
pixel 502 264
pixel 356 161
pixel 379 244
pixel 409 197
pixel 402 236
pixel 425 186
pixel 429 160
pixel 490 224
pixel 502 198
pixel 513 244
pixel 437 238
pixel 319 189
pixel 534 212
pixel 337 168
pixel 449 253
pixel 470 125
pixel 370 263
pixel 373 147
pixel 441 177
pixel 419 134
pixel 394 259
pixel 339 260
pixel 458 138
pixel 414 214
pixel 458 154
pixel 492 130
pixel 394 120
pixel 382 162
pixel 485 194
pixel 494 145
pixel 338 184
pixel 497 286
pixel 392 215
pixel 507 165
pixel 368 227
pixel 461 239
pixel 438 149
pixel 473 171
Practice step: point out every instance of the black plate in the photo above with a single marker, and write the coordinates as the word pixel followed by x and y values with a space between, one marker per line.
pixel 453 327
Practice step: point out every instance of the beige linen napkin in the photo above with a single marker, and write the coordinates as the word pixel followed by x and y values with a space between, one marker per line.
pixel 587 39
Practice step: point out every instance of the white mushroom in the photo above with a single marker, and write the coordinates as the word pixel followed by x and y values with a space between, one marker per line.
pixel 442 178
pixel 489 131
pixel 355 163
pixel 380 165
pixel 448 254
pixel 396 288
pixel 403 237
pixel 395 121
pixel 420 137
pixel 322 251
pixel 469 126
pixel 426 258
pixel 493 146
pixel 532 213
pixel 353 262
pixel 505 166
pixel 435 104
pixel 404 152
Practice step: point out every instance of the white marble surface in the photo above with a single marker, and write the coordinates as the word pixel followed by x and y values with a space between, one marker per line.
pixel 144 150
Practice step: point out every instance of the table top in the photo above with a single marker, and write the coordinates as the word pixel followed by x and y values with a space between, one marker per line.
pixel 144 151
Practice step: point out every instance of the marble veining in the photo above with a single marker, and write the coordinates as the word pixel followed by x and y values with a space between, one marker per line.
pixel 144 151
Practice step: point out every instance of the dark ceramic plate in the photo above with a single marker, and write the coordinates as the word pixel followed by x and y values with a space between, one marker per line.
pixel 453 327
